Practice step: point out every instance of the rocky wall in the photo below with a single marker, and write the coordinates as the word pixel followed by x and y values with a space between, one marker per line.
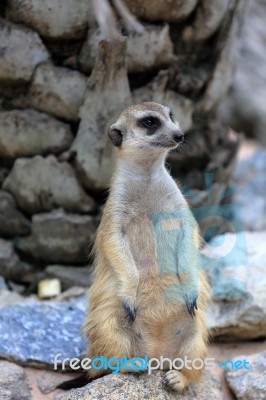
pixel 61 86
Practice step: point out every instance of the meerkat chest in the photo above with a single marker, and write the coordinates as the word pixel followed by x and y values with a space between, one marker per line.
pixel 143 205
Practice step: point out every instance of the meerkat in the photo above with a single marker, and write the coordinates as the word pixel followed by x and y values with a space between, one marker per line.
pixel 139 303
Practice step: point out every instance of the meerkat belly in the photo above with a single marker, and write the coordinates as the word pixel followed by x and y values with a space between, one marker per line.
pixel 162 321
pixel 141 238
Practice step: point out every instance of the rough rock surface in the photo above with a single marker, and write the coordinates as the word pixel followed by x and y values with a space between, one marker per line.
pixel 45 329
pixel 54 19
pixel 249 384
pixel 12 222
pixel 28 132
pixel 58 237
pixel 3 174
pixel 237 269
pixel 144 386
pixel 208 18
pixel 93 148
pixel 14 384
pixel 58 91
pixel 152 49
pixel 250 180
pixel 158 10
pixel 156 91
pixel 21 50
pixel 42 184
pixel 70 276
pixel 10 265
pixel 8 298
pixel 243 107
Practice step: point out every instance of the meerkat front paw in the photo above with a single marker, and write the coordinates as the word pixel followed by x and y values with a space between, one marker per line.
pixel 127 291
pixel 130 309
pixel 176 380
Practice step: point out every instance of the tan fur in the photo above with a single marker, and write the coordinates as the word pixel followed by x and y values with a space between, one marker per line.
pixel 126 269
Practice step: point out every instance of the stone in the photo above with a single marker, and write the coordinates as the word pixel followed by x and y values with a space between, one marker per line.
pixel 21 50
pixel 14 384
pixel 250 180
pixel 8 298
pixel 235 263
pixel 249 384
pixel 149 50
pixel 71 275
pixel 157 91
pixel 209 16
pixel 58 91
pixel 129 386
pixel 243 106
pixel 58 237
pixel 48 381
pixel 45 330
pixel 12 221
pixel 28 132
pixel 56 19
pixel 41 184
pixel 222 74
pixel 3 174
pixel 49 288
pixel 92 146
pixel 11 266
pixel 159 10
pixel 2 283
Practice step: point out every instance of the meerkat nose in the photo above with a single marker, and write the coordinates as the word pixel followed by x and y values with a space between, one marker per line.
pixel 178 136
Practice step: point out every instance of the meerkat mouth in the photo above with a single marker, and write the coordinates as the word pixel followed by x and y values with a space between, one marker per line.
pixel 165 145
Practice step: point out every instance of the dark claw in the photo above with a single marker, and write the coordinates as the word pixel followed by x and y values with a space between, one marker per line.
pixel 165 381
pixel 191 307
pixel 131 312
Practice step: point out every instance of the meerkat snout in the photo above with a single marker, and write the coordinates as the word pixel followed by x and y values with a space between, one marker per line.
pixel 146 125
pixel 178 136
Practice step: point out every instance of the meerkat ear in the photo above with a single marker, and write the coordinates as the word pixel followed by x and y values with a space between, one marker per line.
pixel 116 135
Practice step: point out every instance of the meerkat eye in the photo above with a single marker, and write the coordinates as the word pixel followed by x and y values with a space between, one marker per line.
pixel 150 122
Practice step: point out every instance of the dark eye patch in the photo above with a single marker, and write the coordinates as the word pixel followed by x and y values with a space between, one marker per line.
pixel 150 123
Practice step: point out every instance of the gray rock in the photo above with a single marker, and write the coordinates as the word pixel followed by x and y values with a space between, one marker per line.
pixel 209 16
pixel 58 91
pixel 45 329
pixel 249 384
pixel 151 49
pixel 70 276
pixel 3 174
pixel 157 91
pixel 160 10
pixel 42 184
pixel 10 265
pixel 237 269
pixel 29 132
pixel 2 283
pixel 144 386
pixel 250 179
pixel 21 50
pixel 12 222
pixel 93 149
pixel 8 298
pixel 58 237
pixel 14 384
pixel 48 380
pixel 243 107
pixel 57 19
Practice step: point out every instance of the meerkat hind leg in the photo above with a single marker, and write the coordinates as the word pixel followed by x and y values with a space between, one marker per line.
pixel 176 380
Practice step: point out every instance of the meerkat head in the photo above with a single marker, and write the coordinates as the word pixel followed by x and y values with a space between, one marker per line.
pixel 146 126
